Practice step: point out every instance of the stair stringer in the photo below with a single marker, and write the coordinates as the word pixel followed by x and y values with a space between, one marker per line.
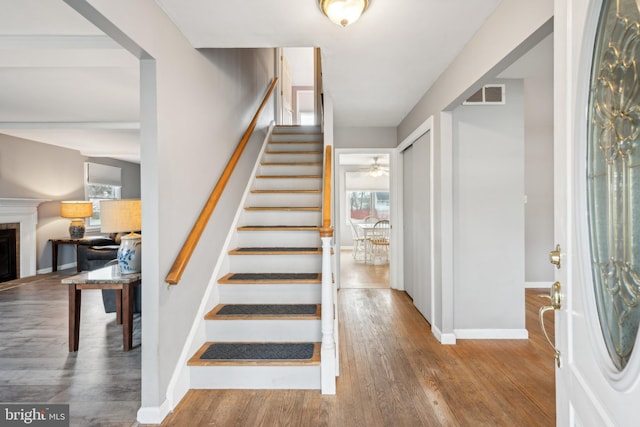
pixel 180 382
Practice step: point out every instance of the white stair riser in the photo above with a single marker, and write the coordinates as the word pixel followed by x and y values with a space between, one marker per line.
pixel 289 170
pixel 281 217
pixel 297 137
pixel 287 183
pixel 295 146
pixel 255 377
pixel 294 330
pixel 266 239
pixel 275 263
pixel 307 293
pixel 284 199
pixel 292 157
pixel 297 129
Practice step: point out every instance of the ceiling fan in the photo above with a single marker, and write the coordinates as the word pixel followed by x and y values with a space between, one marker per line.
pixel 376 169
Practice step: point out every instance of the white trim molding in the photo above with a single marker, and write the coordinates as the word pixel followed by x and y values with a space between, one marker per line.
pixel 24 212
pixel 492 334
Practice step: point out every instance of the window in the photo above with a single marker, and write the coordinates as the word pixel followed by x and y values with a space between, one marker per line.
pixel 362 204
pixel 102 182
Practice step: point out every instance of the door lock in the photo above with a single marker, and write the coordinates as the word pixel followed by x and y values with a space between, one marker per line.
pixel 554 257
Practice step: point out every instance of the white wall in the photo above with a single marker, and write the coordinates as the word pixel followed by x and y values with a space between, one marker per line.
pixel 195 107
pixel 514 27
pixel 488 219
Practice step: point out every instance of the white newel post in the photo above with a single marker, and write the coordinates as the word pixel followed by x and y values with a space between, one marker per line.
pixel 328 349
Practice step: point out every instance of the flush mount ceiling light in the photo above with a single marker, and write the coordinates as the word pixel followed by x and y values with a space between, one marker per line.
pixel 343 12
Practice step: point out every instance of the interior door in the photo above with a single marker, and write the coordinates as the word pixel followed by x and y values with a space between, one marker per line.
pixel 286 92
pixel 417 225
pixel 597 203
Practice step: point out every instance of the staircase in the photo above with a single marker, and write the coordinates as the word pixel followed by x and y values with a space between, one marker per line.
pixel 266 331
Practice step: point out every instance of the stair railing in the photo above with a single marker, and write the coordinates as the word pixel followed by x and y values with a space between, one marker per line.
pixel 328 350
pixel 182 260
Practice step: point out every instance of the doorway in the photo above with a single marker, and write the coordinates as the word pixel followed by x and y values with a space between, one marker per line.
pixel 296 68
pixel 363 214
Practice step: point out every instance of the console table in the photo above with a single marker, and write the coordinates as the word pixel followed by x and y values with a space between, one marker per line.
pixel 103 278
pixel 68 241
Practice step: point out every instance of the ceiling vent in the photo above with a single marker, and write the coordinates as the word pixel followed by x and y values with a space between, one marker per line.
pixel 487 95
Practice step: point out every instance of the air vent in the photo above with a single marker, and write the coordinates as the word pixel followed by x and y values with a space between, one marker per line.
pixel 487 95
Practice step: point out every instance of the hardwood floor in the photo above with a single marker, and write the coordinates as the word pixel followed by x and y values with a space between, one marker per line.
pixel 100 382
pixel 359 275
pixel 394 373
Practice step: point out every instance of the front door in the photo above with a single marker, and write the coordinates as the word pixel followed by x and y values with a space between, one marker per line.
pixel 597 211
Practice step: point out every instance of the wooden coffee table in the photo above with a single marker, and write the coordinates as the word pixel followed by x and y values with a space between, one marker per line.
pixel 103 278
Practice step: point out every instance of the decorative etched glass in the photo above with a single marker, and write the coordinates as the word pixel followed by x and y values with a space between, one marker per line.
pixel 613 175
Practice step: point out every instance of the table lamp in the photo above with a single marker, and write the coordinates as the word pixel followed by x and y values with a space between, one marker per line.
pixel 121 216
pixel 76 211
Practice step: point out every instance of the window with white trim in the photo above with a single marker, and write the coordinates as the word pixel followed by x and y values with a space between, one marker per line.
pixel 102 182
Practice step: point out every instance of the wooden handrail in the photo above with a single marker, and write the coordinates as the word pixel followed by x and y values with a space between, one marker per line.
pixel 180 264
pixel 326 230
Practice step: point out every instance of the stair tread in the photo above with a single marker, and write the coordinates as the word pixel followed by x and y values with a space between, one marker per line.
pixel 293 152
pixel 288 176
pixel 268 278
pixel 200 358
pixel 264 312
pixel 283 208
pixel 286 191
pixel 295 142
pixel 278 228
pixel 291 163
pixel 276 251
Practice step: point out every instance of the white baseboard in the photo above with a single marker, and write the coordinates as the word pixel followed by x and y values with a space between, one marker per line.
pixel 446 339
pixel 492 334
pixel 539 285
pixel 60 267
pixel 154 414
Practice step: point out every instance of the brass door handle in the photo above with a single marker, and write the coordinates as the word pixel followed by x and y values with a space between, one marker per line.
pixel 554 257
pixel 555 296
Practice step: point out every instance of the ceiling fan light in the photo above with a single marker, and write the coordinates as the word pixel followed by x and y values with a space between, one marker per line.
pixel 343 12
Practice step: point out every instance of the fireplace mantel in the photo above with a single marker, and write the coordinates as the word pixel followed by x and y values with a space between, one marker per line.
pixel 24 212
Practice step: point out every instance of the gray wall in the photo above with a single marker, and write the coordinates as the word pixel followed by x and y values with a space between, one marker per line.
pixel 488 219
pixel 511 30
pixel 34 170
pixel 361 137
pixel 538 126
pixel 195 106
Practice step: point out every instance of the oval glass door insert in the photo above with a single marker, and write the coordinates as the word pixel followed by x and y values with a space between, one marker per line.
pixel 613 175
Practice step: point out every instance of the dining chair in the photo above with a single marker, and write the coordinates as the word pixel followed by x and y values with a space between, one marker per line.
pixel 359 243
pixel 379 243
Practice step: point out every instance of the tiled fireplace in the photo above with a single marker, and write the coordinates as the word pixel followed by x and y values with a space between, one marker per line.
pixel 22 215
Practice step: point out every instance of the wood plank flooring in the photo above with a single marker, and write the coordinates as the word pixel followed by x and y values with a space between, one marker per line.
pixel 394 373
pixel 100 382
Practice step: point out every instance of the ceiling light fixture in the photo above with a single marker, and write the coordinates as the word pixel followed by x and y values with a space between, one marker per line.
pixel 343 12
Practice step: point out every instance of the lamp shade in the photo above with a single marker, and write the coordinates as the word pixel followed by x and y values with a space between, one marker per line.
pixel 343 12
pixel 78 209
pixel 118 216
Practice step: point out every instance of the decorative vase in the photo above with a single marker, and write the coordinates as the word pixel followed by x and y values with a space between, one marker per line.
pixel 130 253
pixel 76 228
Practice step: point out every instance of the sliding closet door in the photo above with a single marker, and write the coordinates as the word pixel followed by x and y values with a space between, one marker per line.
pixel 417 225
pixel 407 220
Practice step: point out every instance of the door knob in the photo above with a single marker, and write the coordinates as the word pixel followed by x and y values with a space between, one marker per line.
pixel 554 257
pixel 555 296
